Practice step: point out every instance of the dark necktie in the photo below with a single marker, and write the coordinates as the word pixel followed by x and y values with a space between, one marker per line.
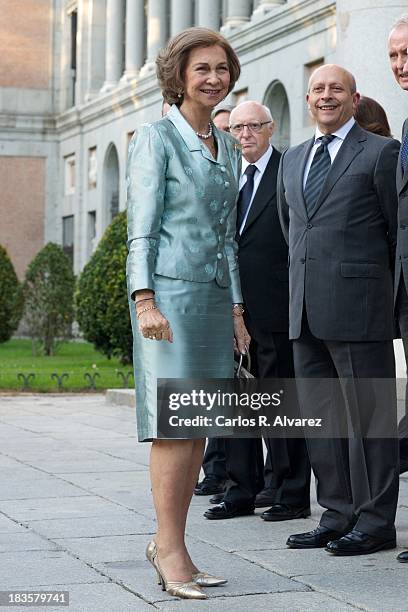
pixel 245 195
pixel 318 171
pixel 404 153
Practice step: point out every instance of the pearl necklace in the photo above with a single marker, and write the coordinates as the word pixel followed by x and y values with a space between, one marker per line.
pixel 209 133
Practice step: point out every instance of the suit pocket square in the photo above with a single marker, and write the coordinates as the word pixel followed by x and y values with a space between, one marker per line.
pixel 360 270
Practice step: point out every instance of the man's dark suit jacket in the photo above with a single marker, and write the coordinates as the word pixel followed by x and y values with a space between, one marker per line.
pixel 342 252
pixel 401 264
pixel 263 259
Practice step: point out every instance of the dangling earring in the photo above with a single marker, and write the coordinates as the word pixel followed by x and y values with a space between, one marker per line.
pixel 180 94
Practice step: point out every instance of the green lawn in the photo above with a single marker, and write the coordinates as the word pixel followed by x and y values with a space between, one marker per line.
pixel 74 358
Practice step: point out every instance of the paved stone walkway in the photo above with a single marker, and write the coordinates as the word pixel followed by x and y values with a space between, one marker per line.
pixel 76 514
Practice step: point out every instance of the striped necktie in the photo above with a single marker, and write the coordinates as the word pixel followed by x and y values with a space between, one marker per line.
pixel 404 153
pixel 318 171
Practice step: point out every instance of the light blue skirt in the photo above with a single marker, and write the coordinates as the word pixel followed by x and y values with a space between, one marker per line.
pixel 201 319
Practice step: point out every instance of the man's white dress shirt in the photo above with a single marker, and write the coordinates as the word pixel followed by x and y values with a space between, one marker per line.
pixel 333 147
pixel 260 164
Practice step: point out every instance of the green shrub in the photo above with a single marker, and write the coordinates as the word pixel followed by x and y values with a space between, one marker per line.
pixel 102 309
pixel 11 297
pixel 49 294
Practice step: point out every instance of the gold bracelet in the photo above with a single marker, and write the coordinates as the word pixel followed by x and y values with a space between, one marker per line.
pixel 152 307
pixel 238 310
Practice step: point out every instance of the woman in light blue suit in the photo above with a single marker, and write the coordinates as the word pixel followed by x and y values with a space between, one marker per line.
pixel 182 274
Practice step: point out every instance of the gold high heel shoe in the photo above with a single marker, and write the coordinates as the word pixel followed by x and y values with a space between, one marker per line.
pixel 203 579
pixel 184 590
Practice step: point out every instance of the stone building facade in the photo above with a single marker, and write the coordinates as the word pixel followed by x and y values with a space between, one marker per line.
pixel 77 78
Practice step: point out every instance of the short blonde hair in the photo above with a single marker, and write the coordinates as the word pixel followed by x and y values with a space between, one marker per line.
pixel 171 61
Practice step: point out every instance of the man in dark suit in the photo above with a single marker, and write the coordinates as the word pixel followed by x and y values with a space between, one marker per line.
pixel 263 256
pixel 214 462
pixel 338 208
pixel 398 54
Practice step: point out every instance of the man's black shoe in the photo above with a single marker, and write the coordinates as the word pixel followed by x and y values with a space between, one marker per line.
pixel 318 538
pixel 403 557
pixel 225 510
pixel 265 498
pixel 209 486
pixel 284 512
pixel 358 543
pixel 217 498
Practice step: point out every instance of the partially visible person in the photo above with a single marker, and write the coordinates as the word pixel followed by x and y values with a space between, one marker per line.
pixel 263 262
pixel 338 207
pixel 371 116
pixel 214 467
pixel 221 117
pixel 182 274
pixel 398 54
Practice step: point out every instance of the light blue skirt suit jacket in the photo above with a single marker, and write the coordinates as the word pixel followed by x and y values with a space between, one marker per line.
pixel 181 226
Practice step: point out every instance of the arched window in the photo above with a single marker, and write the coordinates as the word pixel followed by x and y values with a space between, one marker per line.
pixel 277 101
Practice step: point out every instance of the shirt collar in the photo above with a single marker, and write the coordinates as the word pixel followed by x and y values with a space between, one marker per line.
pixel 191 139
pixel 260 163
pixel 184 128
pixel 341 132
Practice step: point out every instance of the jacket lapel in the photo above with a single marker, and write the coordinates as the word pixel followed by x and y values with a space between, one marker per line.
pixel 350 148
pixel 266 190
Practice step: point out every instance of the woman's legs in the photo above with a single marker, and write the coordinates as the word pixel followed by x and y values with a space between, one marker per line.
pixel 174 467
pixel 191 481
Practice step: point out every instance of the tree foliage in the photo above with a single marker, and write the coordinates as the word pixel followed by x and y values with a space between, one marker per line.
pixel 49 296
pixel 102 308
pixel 11 297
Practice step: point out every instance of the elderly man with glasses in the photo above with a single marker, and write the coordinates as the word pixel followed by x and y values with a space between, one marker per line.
pixel 263 257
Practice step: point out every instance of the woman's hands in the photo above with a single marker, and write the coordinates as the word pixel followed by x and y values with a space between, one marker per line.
pixel 152 324
pixel 241 335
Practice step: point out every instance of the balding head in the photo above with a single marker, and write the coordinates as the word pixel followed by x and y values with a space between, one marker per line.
pixel 255 140
pixel 338 71
pixel 255 108
pixel 332 97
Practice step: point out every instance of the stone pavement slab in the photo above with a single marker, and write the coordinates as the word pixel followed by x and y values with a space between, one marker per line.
pixel 276 602
pixel 376 590
pixel 99 597
pixel 57 508
pixel 116 523
pixel 257 580
pixel 25 540
pixel 76 514
pixel 294 563
pixel 8 526
pixel 12 489
pixel 45 568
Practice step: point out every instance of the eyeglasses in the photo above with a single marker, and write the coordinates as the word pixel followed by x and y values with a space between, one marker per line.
pixel 254 126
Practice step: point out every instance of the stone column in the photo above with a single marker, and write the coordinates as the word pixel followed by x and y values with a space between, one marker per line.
pixel 181 15
pixel 156 32
pixel 264 6
pixel 208 14
pixel 96 49
pixel 238 14
pixel 114 43
pixel 134 39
